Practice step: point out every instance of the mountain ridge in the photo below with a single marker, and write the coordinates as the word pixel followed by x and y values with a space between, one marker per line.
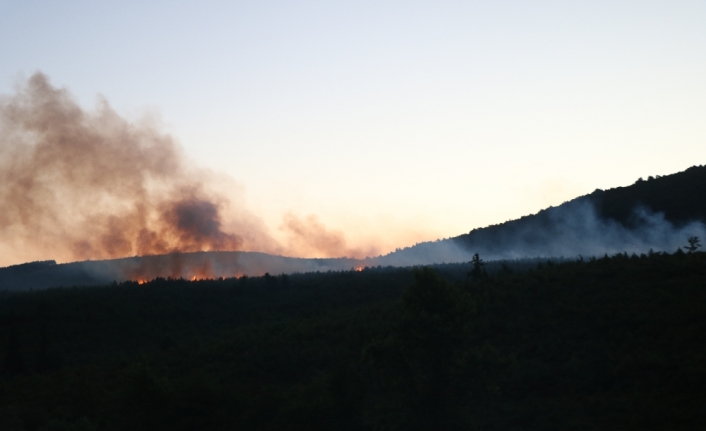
pixel 658 213
pixel 655 213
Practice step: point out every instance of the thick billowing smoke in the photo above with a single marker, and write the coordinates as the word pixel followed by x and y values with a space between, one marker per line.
pixel 79 185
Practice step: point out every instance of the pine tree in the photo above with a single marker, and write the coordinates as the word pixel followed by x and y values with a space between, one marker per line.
pixel 693 244
pixel 478 270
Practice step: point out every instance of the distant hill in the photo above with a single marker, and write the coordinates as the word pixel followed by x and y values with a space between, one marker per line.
pixel 656 213
pixel 41 275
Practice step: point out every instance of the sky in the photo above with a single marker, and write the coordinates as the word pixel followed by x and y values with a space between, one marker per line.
pixel 392 122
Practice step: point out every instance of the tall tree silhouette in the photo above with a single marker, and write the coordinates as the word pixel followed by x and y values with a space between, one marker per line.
pixel 478 270
pixel 693 244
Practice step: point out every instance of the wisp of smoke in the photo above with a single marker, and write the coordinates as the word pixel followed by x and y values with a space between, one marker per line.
pixel 79 185
pixel 311 238
pixel 572 229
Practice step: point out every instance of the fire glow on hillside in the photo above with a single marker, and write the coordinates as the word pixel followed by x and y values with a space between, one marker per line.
pixel 92 185
pixel 77 185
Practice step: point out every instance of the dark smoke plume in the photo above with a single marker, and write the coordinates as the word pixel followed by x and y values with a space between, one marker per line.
pixel 79 185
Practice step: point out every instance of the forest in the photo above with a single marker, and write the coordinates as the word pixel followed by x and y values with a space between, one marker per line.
pixel 600 343
pixel 656 213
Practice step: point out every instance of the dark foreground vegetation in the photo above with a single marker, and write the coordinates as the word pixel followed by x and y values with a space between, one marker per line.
pixel 612 343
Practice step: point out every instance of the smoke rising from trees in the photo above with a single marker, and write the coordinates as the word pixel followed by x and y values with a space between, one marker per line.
pixel 572 229
pixel 81 185
pixel 77 184
pixel 310 237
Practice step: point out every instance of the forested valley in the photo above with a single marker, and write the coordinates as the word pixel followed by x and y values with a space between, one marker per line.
pixel 607 343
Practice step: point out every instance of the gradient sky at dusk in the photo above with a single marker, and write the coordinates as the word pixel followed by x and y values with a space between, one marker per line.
pixel 393 122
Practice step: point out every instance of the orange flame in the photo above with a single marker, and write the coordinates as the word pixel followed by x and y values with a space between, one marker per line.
pixel 191 267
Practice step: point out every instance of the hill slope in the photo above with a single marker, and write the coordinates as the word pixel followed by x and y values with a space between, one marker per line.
pixel 41 275
pixel 658 213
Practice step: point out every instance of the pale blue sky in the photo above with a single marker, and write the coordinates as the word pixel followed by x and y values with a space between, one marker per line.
pixel 391 121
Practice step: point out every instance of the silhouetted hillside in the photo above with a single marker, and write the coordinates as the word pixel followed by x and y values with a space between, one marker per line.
pixel 657 213
pixel 41 275
pixel 681 197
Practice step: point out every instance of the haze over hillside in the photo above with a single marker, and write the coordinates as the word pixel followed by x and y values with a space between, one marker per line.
pixel 656 213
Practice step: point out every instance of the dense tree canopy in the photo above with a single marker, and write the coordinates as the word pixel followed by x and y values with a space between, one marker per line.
pixel 610 343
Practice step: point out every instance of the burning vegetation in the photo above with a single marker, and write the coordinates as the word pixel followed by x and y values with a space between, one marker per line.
pixel 79 185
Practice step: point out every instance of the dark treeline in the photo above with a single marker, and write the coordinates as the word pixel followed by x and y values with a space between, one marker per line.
pixel 609 343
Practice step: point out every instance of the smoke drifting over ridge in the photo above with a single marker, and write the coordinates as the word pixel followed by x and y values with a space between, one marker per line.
pixel 572 229
pixel 81 185
pixel 78 185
